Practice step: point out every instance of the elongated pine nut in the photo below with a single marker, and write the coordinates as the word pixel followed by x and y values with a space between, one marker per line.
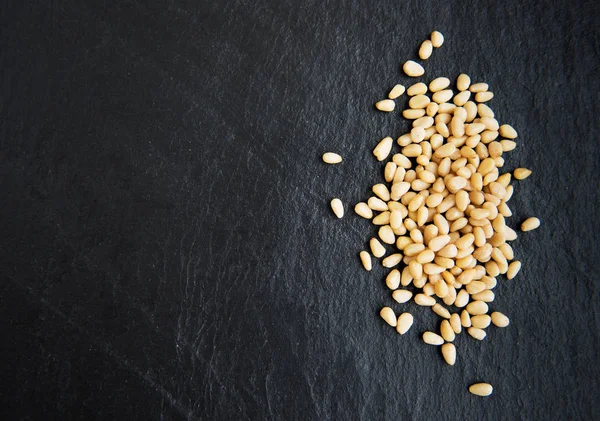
pixel 507 131
pixel 377 248
pixel 402 295
pixel 513 269
pixel 463 82
pixel 424 300
pixel 432 338
pixel 396 92
pixel 477 308
pixel 437 39
pixel 483 96
pixel 362 209
pixel 392 260
pixel 388 315
pixel 365 258
pixel 331 158
pixel 404 323
pixel 449 353
pixel 455 323
pixel 386 105
pixel 417 89
pixel 439 84
pixel 425 50
pixel 446 331
pixel 439 309
pixel 499 319
pixel 479 87
pixel 413 69
pixel 383 148
pixel 521 173
pixel 477 333
pixel 337 207
pixel 530 224
pixel 481 322
pixel 481 389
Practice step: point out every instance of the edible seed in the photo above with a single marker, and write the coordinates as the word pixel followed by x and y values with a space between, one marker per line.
pixel 382 191
pixel 417 89
pixel 465 319
pixel 439 309
pixel 432 338
pixel 513 269
pixel 499 319
pixel 461 98
pixel 442 97
pixel 477 333
pixel 447 331
pixel 377 204
pixel 387 234
pixel 362 209
pixel 507 131
pixel 477 308
pixel 391 260
pixel 530 224
pixel 383 148
pixel 388 315
pixel 402 295
pixel 479 87
pixel 424 300
pixel 481 322
pixel 462 82
pixel 377 248
pixel 404 323
pixel 413 69
pixel 419 101
pixel 449 353
pixel 331 158
pixel 439 84
pixel 521 173
pixel 481 389
pixel 437 39
pixel 455 323
pixel 483 96
pixel 386 105
pixel 365 258
pixel 337 207
pixel 396 91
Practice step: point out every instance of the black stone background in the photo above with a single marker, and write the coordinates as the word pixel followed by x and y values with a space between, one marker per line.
pixel 167 247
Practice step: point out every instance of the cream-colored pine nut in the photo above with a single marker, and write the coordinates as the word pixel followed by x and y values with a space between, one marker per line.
pixel 437 39
pixel 337 207
pixel 521 173
pixel 481 322
pixel 507 131
pixel 417 89
pixel 404 323
pixel 396 92
pixel 465 319
pixel 424 122
pixel 419 101
pixel 486 296
pixel 530 224
pixel 382 191
pixel 455 323
pixel 442 97
pixel 446 331
pixel 513 269
pixel 412 114
pixel 439 84
pixel 383 148
pixel 401 295
pixel 413 69
pixel 389 171
pixel 476 333
pixel 424 300
pixel 479 87
pixel 483 96
pixel 387 234
pixel 481 389
pixel 441 289
pixel 377 204
pixel 392 260
pixel 362 209
pixel 463 82
pixel 432 338
pixel 499 319
pixel 365 259
pixel 476 308
pixel 439 309
pixel 461 98
pixel 386 105
pixel 377 248
pixel 388 315
pixel 331 158
pixel 449 353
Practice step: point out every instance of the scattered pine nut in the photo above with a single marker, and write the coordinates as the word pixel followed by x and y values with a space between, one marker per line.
pixel 513 269
pixel 530 224
pixel 402 295
pixel 413 69
pixel 417 89
pixel 365 258
pixel 388 315
pixel 432 338
pixel 404 323
pixel 331 158
pixel 455 323
pixel 521 173
pixel 437 39
pixel 507 131
pixel 477 333
pixel 447 331
pixel 424 300
pixel 377 248
pixel 383 148
pixel 439 309
pixel 463 82
pixel 425 50
pixel 396 92
pixel 481 389
pixel 337 207
pixel 499 319
pixel 449 353
pixel 386 105
pixel 362 209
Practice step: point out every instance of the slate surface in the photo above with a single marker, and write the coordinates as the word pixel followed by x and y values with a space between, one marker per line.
pixel 167 248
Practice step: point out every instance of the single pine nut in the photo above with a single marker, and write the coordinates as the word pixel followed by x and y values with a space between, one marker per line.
pixel 424 122
pixel 413 69
pixel 388 315
pixel 383 148
pixel 449 353
pixel 417 134
pixel 419 101
pixel 507 131
pixel 331 158
pixel 441 289
pixel 481 389
pixel 392 260
pixel 479 87
pixel 432 109
pixel 461 98
pixel 337 207
pixel 377 248
pixel 362 209
pixel 465 319
pixel 439 84
pixel 417 89
pixel 477 333
pixel 442 97
pixel 508 145
pixel 389 171
pixel 437 39
pixel 462 82
pixel 365 258
pixel 530 224
pixel 477 308
pixel 484 111
pixel 455 323
pixel 377 204
pixel 446 331
pixel 396 91
pixel 382 191
pixel 486 296
pixel 387 234
pixel 462 298
pixel 402 295
pixel 424 300
pixel 439 309
pixel 499 319
pixel 432 338
pixel 513 269
pixel 386 105
pixel 521 173
pixel 404 323
pixel 483 96
pixel 411 114
pixel 481 322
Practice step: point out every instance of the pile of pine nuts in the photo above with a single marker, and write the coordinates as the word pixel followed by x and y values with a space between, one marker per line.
pixel 443 207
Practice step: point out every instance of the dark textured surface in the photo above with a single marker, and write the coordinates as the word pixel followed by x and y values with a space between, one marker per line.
pixel 167 247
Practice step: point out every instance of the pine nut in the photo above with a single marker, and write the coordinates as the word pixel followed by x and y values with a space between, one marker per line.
pixel 442 97
pixel 424 300
pixel 387 234
pixel 392 260
pixel 477 308
pixel 331 158
pixel 439 84
pixel 377 204
pixel 499 319
pixel 462 298
pixel 413 69
pixel 396 91
pixel 437 39
pixel 477 333
pixel 418 101
pixel 461 98
pixel 465 319
pixel 382 191
pixel 513 269
pixel 479 87
pixel 377 248
pixel 446 331
pixel 521 173
pixel 404 323
pixel 401 295
pixel 439 309
pixel 455 323
pixel 362 209
pixel 530 224
pixel 449 353
pixel 365 258
pixel 507 131
pixel 383 148
pixel 417 89
pixel 483 96
pixel 481 389
pixel 481 322
pixel 432 338
pixel 486 296
pixel 386 105
pixel 388 315
pixel 337 207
